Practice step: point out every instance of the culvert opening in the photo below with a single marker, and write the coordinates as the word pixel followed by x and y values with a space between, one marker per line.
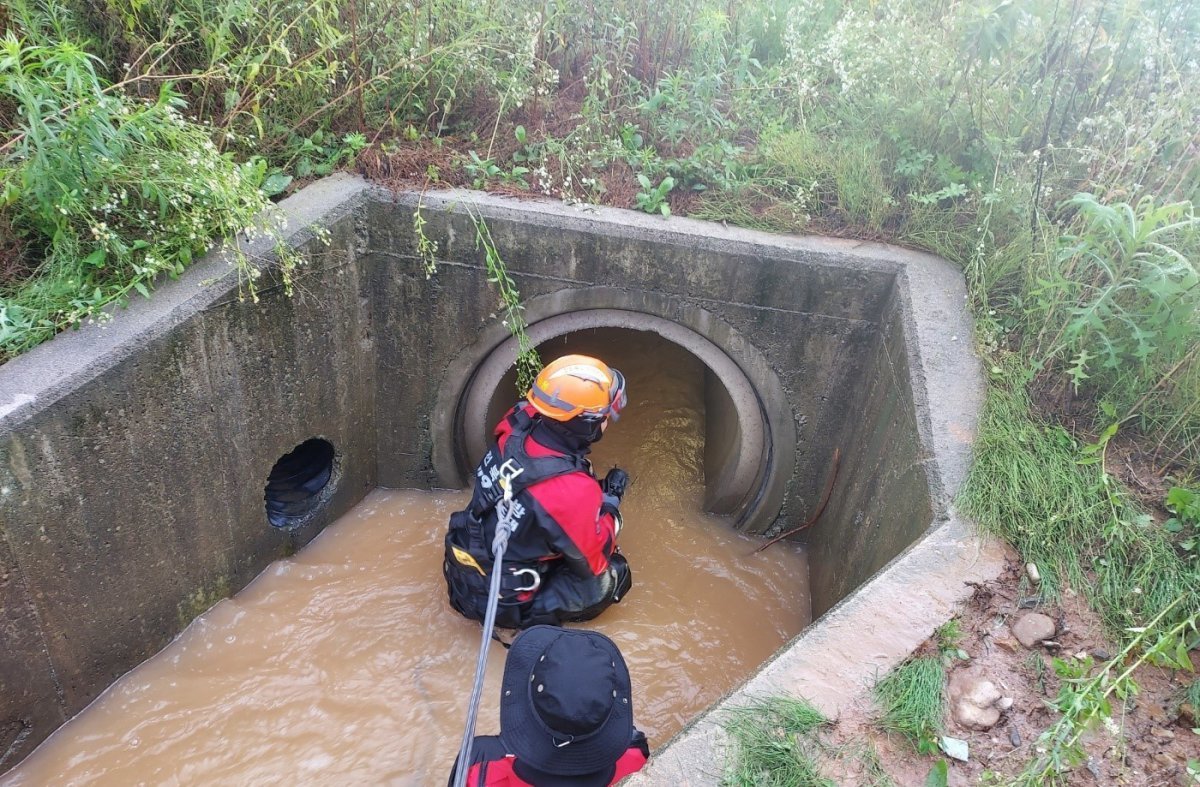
pixel 299 483
pixel 661 437
pixel 738 471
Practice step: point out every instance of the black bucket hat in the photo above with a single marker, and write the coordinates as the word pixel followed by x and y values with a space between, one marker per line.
pixel 565 705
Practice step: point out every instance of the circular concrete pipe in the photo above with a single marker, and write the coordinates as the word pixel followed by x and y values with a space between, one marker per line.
pixel 750 435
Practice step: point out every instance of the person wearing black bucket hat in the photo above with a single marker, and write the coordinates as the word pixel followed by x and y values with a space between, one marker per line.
pixel 566 715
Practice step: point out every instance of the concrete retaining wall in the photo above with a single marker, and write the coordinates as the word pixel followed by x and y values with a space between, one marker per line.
pixel 133 455
pixel 133 458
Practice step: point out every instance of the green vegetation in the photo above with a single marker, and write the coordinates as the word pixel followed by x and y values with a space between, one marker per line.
pixel 1036 487
pixel 117 190
pixel 912 696
pixel 1088 696
pixel 776 745
pixel 202 600
pixel 529 363
pixel 1192 695
pixel 912 699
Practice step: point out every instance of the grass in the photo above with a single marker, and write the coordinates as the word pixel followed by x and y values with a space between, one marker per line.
pixel 1192 695
pixel 1038 488
pixel 912 700
pixel 912 696
pixel 775 745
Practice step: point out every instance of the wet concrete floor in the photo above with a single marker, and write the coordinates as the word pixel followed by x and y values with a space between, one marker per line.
pixel 345 665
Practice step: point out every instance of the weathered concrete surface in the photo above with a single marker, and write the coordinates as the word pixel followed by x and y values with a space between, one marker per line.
pixel 837 659
pixel 834 324
pixel 133 457
pixel 800 311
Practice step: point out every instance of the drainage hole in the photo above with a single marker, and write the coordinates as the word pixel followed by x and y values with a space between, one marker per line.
pixel 295 486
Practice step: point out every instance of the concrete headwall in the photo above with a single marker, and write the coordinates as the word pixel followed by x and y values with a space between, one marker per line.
pixel 133 458
pixel 805 314
pixel 881 501
pixel 134 455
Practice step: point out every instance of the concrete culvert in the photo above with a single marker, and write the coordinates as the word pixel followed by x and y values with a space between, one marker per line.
pixel 794 347
pixel 299 482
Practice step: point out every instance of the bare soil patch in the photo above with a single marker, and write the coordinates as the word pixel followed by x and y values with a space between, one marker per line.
pixel 1154 738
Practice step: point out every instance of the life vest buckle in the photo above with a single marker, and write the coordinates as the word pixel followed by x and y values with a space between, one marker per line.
pixel 508 471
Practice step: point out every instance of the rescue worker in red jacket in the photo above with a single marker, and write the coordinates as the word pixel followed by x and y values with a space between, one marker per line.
pixel 566 715
pixel 561 563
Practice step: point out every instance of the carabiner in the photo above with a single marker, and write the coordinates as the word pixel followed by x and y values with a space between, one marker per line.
pixel 508 471
pixel 537 580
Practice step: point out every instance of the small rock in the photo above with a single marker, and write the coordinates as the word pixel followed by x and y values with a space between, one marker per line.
pixel 1033 627
pixel 1154 713
pixel 982 694
pixel 1007 644
pixel 955 748
pixel 1162 733
pixel 1081 655
pixel 972 717
pixel 1164 759
pixel 1188 713
pixel 1100 654
pixel 1004 703
pixel 1014 737
pixel 1031 571
pixel 971 700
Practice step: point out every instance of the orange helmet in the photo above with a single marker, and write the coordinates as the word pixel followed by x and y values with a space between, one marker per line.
pixel 578 386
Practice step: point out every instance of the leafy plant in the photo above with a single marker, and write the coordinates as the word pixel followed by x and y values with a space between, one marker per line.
pixel 319 154
pixel 1121 292
pixel 652 198
pixel 483 170
pixel 529 363
pixel 939 775
pixel 1185 504
pixel 1086 698
pixel 120 191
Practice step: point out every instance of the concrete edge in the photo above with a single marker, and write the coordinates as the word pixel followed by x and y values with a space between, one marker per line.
pixel 37 379
pixel 833 663
pixel 946 377
pixel 547 212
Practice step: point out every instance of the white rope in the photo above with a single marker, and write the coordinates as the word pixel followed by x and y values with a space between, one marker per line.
pixel 504 528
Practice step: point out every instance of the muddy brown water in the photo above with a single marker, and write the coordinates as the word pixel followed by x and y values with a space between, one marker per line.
pixel 345 665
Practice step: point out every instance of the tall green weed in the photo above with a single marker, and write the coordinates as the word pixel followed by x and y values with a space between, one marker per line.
pixel 114 190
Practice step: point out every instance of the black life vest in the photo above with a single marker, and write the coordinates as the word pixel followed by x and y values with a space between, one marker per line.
pixel 468 547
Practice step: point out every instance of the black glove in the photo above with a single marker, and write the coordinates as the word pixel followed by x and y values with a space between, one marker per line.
pixel 622 576
pixel 615 483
